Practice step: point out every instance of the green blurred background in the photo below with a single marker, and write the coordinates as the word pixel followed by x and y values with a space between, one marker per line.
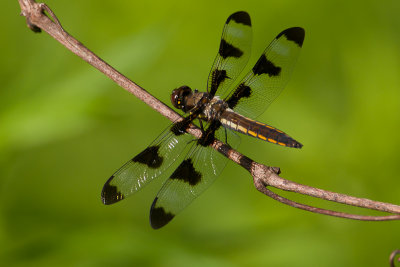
pixel 65 128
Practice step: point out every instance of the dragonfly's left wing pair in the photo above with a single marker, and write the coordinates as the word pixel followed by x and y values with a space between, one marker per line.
pixel 201 166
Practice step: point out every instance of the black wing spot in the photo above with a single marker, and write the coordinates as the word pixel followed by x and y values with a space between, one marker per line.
pixel 241 91
pixel 150 157
pixel 158 216
pixel 295 34
pixel 218 76
pixel 228 50
pixel 264 66
pixel 110 193
pixel 187 173
pixel 240 17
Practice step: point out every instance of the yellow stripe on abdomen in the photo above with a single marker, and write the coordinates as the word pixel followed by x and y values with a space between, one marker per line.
pixel 257 129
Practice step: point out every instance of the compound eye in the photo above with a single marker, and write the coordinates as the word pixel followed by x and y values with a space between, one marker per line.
pixel 178 96
pixel 186 90
pixel 175 98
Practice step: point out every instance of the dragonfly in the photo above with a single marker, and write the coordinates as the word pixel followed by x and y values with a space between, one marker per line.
pixel 220 113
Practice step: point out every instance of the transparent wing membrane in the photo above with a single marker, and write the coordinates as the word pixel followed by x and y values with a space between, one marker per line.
pixel 233 54
pixel 144 167
pixel 196 173
pixel 266 80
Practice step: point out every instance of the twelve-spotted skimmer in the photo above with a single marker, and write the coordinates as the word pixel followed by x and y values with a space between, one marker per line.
pixel 217 117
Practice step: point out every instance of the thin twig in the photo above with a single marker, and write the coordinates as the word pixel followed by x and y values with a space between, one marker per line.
pixel 263 176
pixel 262 188
pixel 274 180
pixel 393 256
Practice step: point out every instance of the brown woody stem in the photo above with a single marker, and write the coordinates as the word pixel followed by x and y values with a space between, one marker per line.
pixel 263 176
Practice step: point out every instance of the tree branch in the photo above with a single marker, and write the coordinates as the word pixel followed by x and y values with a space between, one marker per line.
pixel 263 176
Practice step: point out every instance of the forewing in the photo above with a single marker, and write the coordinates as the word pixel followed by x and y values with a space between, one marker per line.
pixel 196 173
pixel 147 165
pixel 233 54
pixel 269 76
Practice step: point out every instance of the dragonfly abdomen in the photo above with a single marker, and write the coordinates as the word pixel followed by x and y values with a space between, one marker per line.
pixel 241 124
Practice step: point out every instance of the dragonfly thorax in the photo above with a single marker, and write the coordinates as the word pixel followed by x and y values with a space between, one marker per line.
pixel 214 108
pixel 209 108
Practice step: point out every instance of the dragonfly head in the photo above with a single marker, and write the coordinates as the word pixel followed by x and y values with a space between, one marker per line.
pixel 178 97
